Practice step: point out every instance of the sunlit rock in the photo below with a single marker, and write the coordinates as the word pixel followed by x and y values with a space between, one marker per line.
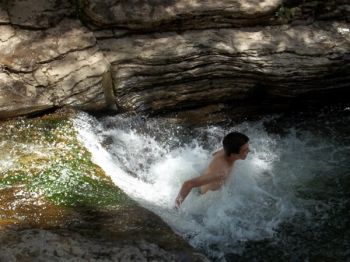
pixel 162 56
pixel 178 15
pixel 51 68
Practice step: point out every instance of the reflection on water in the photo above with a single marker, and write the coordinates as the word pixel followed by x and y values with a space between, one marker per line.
pixel 288 200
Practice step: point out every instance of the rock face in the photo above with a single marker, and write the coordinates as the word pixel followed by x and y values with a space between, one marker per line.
pixel 161 56
pixel 169 15
pixel 169 70
pixel 175 55
pixel 48 60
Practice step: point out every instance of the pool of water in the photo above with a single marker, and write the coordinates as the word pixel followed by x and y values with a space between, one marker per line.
pixel 288 200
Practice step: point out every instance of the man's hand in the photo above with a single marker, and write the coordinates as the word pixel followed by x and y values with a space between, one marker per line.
pixel 178 201
pixel 187 186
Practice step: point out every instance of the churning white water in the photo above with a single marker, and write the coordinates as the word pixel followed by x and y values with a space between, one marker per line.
pixel 150 159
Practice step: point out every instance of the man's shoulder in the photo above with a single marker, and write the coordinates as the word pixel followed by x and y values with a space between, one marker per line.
pixel 219 156
pixel 218 162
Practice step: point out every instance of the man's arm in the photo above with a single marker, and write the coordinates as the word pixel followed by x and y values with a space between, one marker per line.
pixel 196 182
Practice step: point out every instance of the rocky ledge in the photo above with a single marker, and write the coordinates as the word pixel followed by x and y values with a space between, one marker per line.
pixel 48 60
pixel 164 56
pixel 167 71
pixel 103 236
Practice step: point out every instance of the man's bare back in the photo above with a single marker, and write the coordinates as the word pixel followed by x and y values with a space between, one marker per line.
pixel 235 147
pixel 217 167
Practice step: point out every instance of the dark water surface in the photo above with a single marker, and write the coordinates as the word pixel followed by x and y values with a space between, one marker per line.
pixel 323 232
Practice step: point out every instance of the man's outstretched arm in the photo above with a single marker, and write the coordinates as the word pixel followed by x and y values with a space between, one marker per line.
pixel 195 182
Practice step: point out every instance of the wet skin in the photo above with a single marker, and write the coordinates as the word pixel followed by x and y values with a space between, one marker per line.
pixel 215 175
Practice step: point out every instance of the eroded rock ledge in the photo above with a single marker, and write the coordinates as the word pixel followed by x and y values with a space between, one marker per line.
pixel 159 56
pixel 155 15
pixel 170 71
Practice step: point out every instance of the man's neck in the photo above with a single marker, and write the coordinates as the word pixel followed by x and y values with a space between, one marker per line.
pixel 231 159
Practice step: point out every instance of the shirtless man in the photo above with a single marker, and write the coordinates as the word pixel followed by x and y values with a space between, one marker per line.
pixel 235 146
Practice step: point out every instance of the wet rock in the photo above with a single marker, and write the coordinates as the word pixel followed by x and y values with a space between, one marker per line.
pixel 57 205
pixel 58 245
pixel 42 245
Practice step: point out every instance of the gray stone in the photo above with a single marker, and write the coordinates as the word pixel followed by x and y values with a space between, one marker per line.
pixel 60 66
pixel 167 71
pixel 180 14
pixel 162 56
pixel 66 245
pixel 39 14
pixel 4 18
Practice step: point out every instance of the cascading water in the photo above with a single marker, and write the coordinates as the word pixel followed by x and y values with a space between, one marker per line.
pixel 286 200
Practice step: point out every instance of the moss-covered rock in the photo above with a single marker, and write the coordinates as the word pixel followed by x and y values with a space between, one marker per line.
pixel 45 157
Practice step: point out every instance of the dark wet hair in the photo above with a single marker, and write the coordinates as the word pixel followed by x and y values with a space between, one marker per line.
pixel 233 141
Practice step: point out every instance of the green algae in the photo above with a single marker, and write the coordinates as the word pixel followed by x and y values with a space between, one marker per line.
pixel 44 156
pixel 13 177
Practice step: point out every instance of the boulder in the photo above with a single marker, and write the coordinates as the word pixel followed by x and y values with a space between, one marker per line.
pixel 45 65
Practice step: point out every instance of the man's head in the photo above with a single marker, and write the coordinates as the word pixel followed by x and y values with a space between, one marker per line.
pixel 236 143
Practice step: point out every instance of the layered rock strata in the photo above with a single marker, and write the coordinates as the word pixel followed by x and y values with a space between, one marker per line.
pixel 170 15
pixel 160 56
pixel 166 71
pixel 177 55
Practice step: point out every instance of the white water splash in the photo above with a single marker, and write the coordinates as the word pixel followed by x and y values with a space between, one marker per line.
pixel 261 193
